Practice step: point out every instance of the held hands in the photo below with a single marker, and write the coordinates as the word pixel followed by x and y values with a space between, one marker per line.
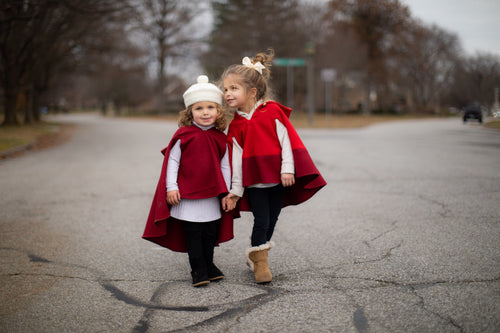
pixel 287 179
pixel 173 197
pixel 229 202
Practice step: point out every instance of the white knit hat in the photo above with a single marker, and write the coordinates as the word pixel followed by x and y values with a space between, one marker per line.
pixel 203 91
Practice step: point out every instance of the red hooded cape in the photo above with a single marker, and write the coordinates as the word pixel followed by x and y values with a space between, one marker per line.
pixel 262 153
pixel 200 177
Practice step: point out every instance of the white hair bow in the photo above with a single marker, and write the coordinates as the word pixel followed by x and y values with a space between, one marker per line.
pixel 257 66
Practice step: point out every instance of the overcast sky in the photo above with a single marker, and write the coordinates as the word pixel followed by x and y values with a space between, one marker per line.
pixel 476 22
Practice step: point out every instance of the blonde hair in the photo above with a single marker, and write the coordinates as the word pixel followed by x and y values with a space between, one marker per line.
pixel 250 78
pixel 186 117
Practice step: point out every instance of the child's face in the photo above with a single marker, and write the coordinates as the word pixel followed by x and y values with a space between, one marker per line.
pixel 235 94
pixel 204 113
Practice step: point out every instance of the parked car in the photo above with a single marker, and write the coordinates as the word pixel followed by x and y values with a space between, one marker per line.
pixel 473 112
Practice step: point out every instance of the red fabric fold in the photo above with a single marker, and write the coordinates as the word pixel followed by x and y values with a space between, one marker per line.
pixel 199 177
pixel 261 160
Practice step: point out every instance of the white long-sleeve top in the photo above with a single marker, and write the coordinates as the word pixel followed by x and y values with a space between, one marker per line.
pixel 287 164
pixel 199 210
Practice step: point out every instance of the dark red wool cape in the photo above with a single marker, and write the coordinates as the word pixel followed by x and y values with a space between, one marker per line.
pixel 199 177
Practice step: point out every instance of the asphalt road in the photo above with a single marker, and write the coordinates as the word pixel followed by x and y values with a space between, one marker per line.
pixel 404 238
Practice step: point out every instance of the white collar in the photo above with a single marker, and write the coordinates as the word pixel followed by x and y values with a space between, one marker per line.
pixel 203 127
pixel 249 114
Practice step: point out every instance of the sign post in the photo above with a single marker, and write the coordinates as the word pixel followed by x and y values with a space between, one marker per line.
pixel 328 76
pixel 289 63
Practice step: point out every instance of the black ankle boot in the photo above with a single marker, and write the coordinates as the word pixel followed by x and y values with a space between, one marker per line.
pixel 214 273
pixel 199 279
pixel 199 271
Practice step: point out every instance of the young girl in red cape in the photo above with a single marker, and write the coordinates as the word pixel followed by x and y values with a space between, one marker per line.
pixel 186 213
pixel 271 167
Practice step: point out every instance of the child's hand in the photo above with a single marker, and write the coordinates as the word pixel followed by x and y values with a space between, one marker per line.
pixel 173 197
pixel 229 202
pixel 287 179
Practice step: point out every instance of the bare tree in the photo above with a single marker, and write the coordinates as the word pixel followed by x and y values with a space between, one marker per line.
pixel 118 75
pixel 39 38
pixel 342 51
pixel 245 27
pixel 170 28
pixel 426 60
pixel 377 24
pixel 475 80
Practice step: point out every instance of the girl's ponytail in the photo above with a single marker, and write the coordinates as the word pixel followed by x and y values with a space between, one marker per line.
pixel 254 73
pixel 266 60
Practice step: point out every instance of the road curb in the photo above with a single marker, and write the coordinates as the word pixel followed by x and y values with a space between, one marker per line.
pixel 15 150
pixel 61 133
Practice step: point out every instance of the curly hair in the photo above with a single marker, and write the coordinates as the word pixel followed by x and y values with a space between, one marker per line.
pixel 186 117
pixel 250 78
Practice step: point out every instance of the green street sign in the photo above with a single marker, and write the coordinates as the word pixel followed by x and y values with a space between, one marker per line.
pixel 293 62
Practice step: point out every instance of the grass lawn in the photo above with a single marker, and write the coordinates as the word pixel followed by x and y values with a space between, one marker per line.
pixel 34 136
pixel 493 124
pixel 11 136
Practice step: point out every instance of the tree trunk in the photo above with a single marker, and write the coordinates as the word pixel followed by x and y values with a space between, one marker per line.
pixel 162 79
pixel 104 108
pixel 10 102
pixel 35 106
pixel 367 104
pixel 28 114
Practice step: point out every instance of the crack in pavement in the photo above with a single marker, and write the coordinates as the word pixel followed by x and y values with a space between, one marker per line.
pixel 236 309
pixel 384 256
pixel 417 285
pixel 444 207
pixel 231 309
pixel 387 253
pixel 448 319
pixel 239 308
pixel 393 225
pixel 104 283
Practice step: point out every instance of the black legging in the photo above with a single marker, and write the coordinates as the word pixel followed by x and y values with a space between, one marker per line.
pixel 265 204
pixel 201 238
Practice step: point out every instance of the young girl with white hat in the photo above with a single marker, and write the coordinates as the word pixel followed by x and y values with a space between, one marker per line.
pixel 186 214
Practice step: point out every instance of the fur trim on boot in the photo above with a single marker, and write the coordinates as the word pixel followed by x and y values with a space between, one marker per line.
pixel 258 257
pixel 270 245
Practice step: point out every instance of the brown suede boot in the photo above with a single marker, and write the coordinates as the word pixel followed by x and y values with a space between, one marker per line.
pixel 258 259
pixel 249 262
